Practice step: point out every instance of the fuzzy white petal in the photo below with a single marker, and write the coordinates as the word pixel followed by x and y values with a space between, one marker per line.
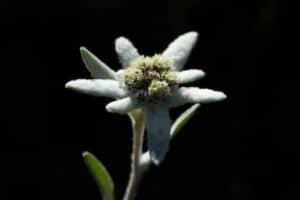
pixel 120 77
pixel 190 75
pixel 179 50
pixel 194 95
pixel 126 51
pixel 96 67
pixel 158 132
pixel 122 106
pixel 97 87
pixel 145 160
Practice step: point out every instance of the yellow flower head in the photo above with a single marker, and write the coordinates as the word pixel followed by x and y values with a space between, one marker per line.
pixel 150 78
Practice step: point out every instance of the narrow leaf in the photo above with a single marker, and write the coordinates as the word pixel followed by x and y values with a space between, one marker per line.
pixel 175 129
pixel 96 67
pixel 183 119
pixel 100 175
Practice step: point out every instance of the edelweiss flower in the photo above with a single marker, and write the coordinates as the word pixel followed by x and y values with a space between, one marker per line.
pixel 148 83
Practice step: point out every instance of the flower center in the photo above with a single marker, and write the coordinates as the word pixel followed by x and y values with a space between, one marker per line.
pixel 150 79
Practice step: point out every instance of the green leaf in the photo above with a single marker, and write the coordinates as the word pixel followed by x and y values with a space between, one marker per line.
pixel 96 67
pixel 183 119
pixel 176 127
pixel 100 175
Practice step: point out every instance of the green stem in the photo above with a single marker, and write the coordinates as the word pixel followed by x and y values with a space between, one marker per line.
pixel 138 124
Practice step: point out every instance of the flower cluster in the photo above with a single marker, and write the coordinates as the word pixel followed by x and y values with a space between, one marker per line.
pixel 148 83
pixel 150 79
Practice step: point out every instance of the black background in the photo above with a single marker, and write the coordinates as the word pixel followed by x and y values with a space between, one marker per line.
pixel 243 148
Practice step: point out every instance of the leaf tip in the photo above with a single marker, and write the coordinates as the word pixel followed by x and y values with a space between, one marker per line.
pixel 83 49
pixel 85 153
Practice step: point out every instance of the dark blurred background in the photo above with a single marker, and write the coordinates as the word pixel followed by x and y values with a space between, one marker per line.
pixel 245 148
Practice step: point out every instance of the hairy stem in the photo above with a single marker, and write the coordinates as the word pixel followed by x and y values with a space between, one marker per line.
pixel 138 125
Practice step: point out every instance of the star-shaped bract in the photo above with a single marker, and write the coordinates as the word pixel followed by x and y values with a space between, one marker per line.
pixel 155 94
